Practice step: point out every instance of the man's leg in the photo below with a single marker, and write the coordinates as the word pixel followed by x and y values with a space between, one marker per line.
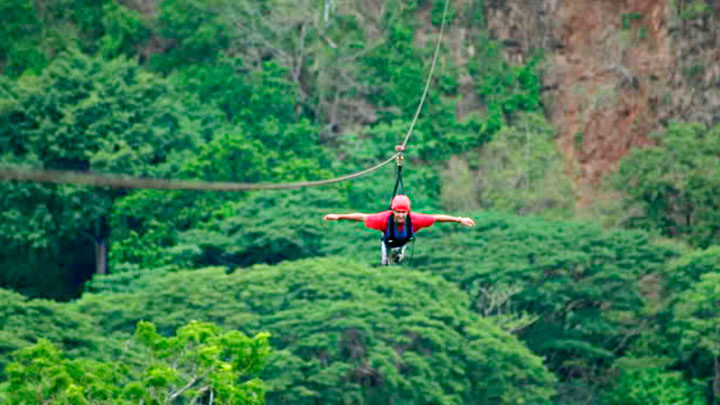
pixel 401 254
pixel 384 260
pixel 398 253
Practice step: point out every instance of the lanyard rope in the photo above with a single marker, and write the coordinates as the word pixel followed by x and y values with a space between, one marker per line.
pixel 401 147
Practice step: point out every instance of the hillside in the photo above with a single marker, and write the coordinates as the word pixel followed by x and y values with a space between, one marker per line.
pixel 566 151
pixel 615 72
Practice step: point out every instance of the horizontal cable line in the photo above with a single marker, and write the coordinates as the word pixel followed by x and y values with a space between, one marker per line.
pixel 117 181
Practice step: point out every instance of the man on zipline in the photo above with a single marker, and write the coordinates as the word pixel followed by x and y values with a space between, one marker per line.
pixel 398 224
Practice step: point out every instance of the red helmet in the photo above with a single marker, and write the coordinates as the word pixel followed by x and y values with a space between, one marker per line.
pixel 400 202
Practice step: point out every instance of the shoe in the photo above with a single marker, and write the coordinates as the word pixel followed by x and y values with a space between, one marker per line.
pixel 398 256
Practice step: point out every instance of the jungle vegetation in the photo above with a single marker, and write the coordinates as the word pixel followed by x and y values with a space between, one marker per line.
pixel 127 296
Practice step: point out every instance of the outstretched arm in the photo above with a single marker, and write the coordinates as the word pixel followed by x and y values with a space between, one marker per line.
pixel 467 221
pixel 357 216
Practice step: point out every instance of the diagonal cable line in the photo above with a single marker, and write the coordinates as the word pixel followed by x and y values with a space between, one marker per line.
pixel 427 84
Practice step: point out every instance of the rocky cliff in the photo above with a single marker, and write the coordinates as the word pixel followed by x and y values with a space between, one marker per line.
pixel 616 71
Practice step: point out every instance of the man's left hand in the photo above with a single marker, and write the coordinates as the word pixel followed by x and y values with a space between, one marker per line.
pixel 467 221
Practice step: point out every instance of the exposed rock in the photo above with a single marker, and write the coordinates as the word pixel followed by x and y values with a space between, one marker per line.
pixel 617 71
pixel 146 7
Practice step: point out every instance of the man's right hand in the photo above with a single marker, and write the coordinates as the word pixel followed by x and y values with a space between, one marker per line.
pixel 331 217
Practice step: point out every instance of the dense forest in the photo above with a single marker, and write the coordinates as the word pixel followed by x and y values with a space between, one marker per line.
pixel 115 295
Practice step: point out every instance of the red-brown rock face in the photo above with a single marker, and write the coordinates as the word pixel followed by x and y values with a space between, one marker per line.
pixel 617 71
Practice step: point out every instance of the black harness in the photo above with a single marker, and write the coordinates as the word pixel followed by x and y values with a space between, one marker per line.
pixel 393 237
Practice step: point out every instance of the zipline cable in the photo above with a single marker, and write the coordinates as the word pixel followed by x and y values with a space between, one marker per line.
pixel 401 147
pixel 427 84
pixel 106 180
pixel 118 181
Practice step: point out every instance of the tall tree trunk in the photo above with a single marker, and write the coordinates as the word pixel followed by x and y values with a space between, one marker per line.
pixel 716 382
pixel 100 256
pixel 100 240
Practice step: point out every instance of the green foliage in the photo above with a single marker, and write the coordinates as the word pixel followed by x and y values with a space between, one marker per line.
pixel 666 341
pixel 253 89
pixel 687 270
pixel 24 321
pixel 81 113
pixel 521 171
pixel 19 34
pixel 262 106
pixel 436 14
pixel 395 69
pixel 653 385
pixel 266 141
pixel 504 88
pixel 267 228
pixel 580 281
pixel 671 188
pixel 125 30
pixel 200 363
pixel 345 333
pixel 146 222
pixel 33 34
pixel 260 103
pixel 694 72
pixel 693 9
pixel 84 17
pixel 197 31
pixel 698 316
pixel 694 330
pixel 39 373
pixel 373 193
pixel 218 83
pixel 87 113
pixel 628 18
pixel 459 189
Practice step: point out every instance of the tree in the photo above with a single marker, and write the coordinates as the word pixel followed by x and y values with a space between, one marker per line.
pixel 671 188
pixel 18 38
pixel 684 272
pixel 40 374
pixel 201 364
pixel 641 382
pixel 82 113
pixel 124 31
pixel 697 317
pixel 24 321
pixel 268 227
pixel 344 332
pixel 580 283
pixel 521 171
pixel 194 31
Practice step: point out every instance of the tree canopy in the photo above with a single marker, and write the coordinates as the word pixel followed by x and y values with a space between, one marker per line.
pixel 343 332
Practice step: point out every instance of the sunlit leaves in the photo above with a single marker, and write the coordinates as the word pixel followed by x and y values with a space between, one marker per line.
pixel 671 188
pixel 345 331
pixel 200 363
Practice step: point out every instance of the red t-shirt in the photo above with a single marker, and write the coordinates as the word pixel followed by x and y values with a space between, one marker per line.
pixel 378 221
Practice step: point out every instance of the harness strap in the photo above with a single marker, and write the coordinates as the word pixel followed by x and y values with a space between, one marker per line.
pixel 399 187
pixel 393 238
pixel 399 183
